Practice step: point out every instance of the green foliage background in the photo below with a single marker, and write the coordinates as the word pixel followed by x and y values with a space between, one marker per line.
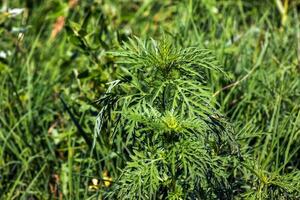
pixel 49 88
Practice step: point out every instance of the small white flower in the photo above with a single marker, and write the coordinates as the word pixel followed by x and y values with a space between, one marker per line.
pixel 95 181
pixel 15 11
pixel 3 54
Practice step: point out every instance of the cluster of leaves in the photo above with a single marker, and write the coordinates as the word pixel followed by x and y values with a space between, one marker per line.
pixel 177 144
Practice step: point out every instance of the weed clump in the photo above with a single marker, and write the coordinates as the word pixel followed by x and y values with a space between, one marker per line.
pixel 177 145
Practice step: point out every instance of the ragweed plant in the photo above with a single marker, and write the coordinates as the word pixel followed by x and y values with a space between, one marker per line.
pixel 161 115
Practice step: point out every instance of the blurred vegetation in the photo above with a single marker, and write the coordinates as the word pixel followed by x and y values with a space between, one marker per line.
pixel 56 61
